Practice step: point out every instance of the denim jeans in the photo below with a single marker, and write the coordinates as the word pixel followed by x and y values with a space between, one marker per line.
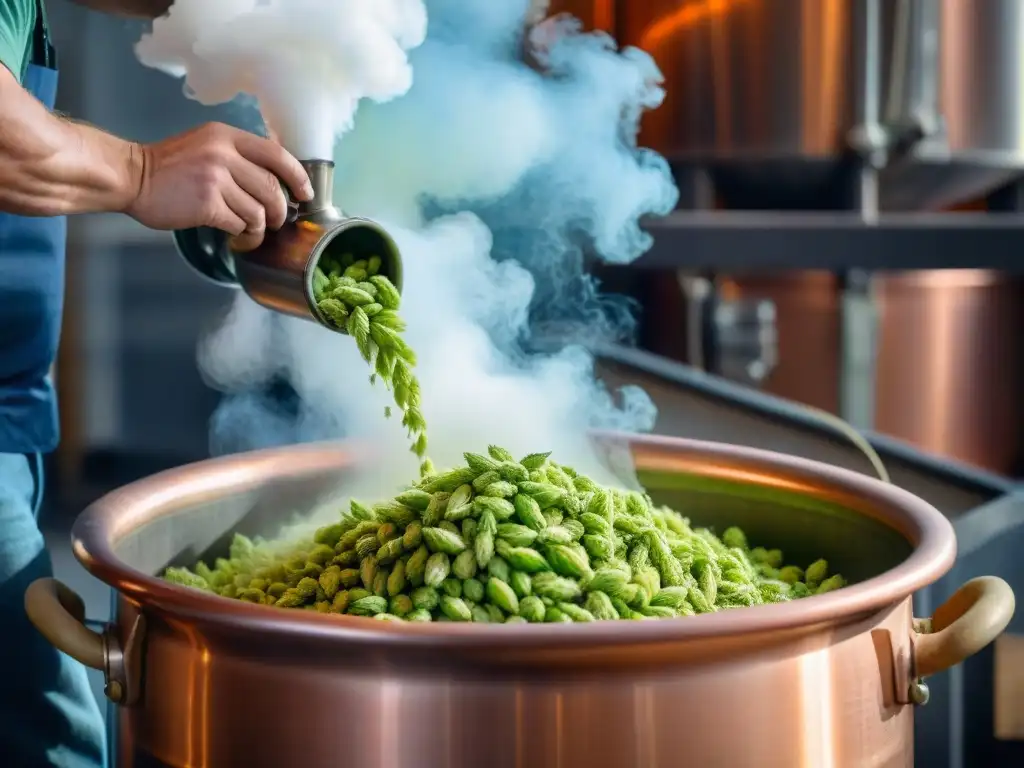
pixel 48 714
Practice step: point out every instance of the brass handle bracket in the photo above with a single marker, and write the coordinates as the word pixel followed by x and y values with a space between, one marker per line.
pixel 123 664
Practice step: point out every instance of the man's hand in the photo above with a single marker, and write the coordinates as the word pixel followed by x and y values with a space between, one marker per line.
pixel 215 176
pixel 221 177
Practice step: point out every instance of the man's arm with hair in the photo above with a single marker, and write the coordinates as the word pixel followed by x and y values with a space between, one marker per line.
pixel 140 9
pixel 214 175
pixel 50 166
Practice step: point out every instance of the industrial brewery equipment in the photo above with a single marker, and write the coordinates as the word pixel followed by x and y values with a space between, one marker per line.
pixel 825 127
pixel 778 99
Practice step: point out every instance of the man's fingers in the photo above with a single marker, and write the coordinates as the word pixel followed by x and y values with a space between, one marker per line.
pixel 264 188
pixel 276 159
pixel 248 209
pixel 247 241
pixel 227 220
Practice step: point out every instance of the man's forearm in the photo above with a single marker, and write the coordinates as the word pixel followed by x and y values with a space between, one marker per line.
pixel 142 9
pixel 50 166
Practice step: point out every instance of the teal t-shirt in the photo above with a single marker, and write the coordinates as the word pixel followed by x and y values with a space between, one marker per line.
pixel 17 22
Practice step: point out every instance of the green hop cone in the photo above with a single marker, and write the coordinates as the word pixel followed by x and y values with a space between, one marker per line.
pixel 831 584
pixel 599 547
pixel 734 537
pixel 415 498
pixel 527 560
pixel 390 551
pixel 425 598
pixel 516 535
pixel 817 572
pixel 671 597
pixel 555 587
pixel 368 606
pixel 400 605
pixel 185 578
pixel 451 587
pixel 529 512
pixel 575 612
pixel 495 613
pixel 396 580
pixel 555 534
pixel 521 584
pixel 499 569
pixel 480 615
pixel 600 606
pixel 595 525
pixel 437 569
pixel 535 460
pixel 437 508
pixel 602 504
pixel 567 561
pixel 446 482
pixel 545 494
pixel 480 464
pixel 387 294
pixel 502 595
pixel 473 589
pixel 416 566
pixel 499 454
pixel 532 609
pixel 441 540
pixel 500 490
pixel 513 472
pixel 500 509
pixel 554 616
pixel 465 565
pixel 659 612
pixel 460 504
pixel 455 609
pixel 413 536
pixel 483 545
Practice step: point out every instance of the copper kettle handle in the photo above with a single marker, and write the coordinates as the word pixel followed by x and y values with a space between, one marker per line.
pixel 58 613
pixel 973 617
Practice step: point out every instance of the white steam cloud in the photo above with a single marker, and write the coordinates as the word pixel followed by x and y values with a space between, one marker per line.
pixel 495 176
pixel 308 63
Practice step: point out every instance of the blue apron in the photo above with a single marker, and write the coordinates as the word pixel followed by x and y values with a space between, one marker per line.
pixel 49 714
pixel 31 298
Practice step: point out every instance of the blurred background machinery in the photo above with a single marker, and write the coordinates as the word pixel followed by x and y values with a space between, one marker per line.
pixel 863 145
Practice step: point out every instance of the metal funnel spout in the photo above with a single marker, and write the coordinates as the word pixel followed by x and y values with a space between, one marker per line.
pixel 279 274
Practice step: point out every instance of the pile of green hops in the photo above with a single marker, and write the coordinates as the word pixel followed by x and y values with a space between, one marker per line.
pixel 506 541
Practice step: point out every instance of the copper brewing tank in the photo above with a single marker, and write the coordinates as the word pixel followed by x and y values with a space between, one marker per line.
pixel 771 96
pixel 831 680
pixel 949 359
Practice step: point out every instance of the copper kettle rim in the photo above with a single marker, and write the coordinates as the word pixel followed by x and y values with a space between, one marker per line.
pixel 123 512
